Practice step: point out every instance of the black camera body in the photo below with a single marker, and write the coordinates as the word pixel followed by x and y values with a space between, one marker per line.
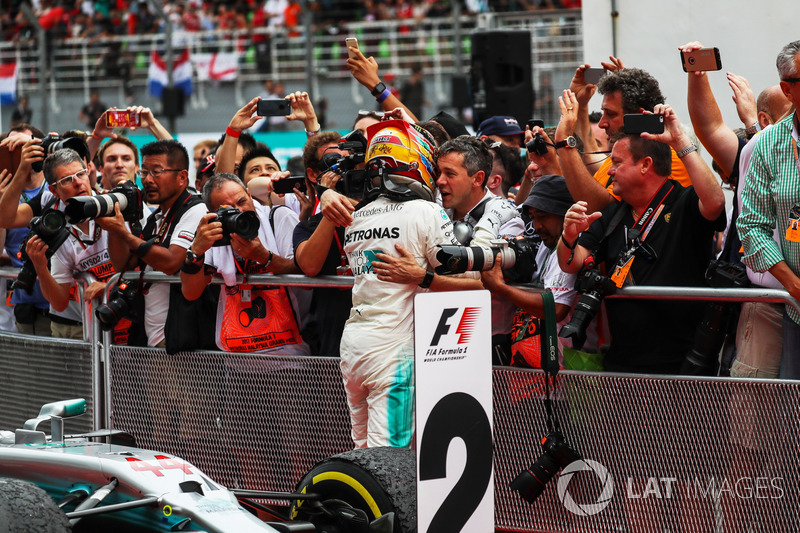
pixel 537 145
pixel 53 142
pixel 51 227
pixel 709 337
pixel 243 223
pixel 121 304
pixel 126 194
pixel 557 454
pixel 353 183
pixel 593 287
pixel 517 258
pixel 725 275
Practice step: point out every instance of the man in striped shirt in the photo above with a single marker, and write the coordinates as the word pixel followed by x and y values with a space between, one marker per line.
pixel 770 200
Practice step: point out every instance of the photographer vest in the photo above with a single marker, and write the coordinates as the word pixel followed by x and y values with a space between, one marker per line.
pixel 256 318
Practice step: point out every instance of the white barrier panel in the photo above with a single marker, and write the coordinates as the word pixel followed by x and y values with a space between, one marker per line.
pixel 455 477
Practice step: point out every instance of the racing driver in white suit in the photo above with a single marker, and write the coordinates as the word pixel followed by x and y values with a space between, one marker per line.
pixel 377 349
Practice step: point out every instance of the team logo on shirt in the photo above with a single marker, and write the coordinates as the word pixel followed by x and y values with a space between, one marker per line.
pixel 372 233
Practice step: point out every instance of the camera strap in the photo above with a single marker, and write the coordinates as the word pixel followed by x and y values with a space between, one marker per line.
pixel 549 357
pixel 636 235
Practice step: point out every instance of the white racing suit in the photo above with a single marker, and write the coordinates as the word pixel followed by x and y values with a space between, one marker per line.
pixel 377 349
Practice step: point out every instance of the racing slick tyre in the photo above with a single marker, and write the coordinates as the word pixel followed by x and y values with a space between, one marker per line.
pixel 24 507
pixel 375 480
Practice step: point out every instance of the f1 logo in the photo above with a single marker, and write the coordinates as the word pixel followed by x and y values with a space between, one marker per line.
pixel 465 325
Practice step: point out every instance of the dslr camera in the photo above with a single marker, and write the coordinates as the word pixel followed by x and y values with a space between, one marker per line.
pixel 353 183
pixel 121 304
pixel 517 258
pixel 537 145
pixel 244 223
pixel 51 228
pixel 126 194
pixel 703 356
pixel 53 142
pixel 593 287
pixel 557 454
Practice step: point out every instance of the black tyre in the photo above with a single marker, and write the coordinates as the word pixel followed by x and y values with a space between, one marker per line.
pixel 25 508
pixel 375 480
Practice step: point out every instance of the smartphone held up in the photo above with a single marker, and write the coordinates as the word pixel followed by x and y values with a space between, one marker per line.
pixel 123 119
pixel 701 60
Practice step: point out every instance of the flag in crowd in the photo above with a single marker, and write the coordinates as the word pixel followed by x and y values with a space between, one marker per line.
pixel 181 74
pixel 221 66
pixel 8 83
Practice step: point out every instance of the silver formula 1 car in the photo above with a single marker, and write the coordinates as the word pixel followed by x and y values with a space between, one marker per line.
pixel 62 483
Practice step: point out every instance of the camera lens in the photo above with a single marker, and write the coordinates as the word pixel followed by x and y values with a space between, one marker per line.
pixel 585 310
pixel 246 225
pixel 26 278
pixel 111 313
pixel 50 224
pixel 530 483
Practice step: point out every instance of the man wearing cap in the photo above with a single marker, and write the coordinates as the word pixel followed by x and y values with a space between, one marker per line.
pixel 546 205
pixel 503 129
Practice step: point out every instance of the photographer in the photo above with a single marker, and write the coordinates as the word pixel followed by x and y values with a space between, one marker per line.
pixel 465 164
pixel 30 310
pixel 659 234
pixel 546 205
pixel 84 250
pixel 163 242
pixel 272 313
pixel 319 242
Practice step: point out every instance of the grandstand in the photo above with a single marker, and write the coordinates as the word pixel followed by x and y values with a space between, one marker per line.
pixel 304 57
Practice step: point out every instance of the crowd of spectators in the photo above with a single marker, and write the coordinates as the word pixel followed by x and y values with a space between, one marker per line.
pixel 96 20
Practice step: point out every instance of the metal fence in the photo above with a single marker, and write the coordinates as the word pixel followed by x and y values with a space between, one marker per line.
pixel 663 453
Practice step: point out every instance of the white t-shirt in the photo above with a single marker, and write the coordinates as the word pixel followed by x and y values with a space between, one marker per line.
pixel 502 310
pixel 81 253
pixel 419 226
pixel 156 301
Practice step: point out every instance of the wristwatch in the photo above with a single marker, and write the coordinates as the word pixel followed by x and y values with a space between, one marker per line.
pixel 193 262
pixel 569 142
pixel 192 257
pixel 378 89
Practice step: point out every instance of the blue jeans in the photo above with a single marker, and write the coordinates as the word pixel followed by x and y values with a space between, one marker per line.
pixel 790 359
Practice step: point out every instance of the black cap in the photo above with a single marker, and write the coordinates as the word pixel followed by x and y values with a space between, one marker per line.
pixel 451 125
pixel 550 194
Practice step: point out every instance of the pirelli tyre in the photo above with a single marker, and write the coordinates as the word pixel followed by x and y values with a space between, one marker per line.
pixel 375 480
pixel 25 508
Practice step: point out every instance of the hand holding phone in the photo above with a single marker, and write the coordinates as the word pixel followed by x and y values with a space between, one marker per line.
pixel 351 42
pixel 701 60
pixel 273 107
pixel 288 185
pixel 123 119
pixel 643 123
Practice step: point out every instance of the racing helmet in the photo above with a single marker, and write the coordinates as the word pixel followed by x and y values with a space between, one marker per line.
pixel 402 155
